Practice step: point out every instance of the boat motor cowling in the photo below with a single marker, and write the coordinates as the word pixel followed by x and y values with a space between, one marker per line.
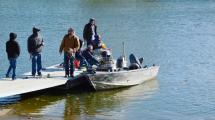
pixel 121 63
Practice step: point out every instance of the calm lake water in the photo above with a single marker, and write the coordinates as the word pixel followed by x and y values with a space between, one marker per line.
pixel 179 36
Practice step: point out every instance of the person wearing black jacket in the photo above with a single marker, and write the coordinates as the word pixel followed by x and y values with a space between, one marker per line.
pixel 90 31
pixel 88 55
pixel 13 52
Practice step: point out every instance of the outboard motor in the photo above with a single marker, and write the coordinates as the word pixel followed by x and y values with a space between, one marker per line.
pixel 135 63
pixel 121 63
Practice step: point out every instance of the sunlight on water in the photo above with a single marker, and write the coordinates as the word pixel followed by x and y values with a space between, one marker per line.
pixel 176 35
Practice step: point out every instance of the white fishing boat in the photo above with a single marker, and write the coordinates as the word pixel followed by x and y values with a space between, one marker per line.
pixel 111 80
pixel 112 74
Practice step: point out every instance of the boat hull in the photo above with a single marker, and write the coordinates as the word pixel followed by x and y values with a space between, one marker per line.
pixel 112 80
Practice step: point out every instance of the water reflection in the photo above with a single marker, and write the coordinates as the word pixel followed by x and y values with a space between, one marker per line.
pixel 87 104
pixel 9 100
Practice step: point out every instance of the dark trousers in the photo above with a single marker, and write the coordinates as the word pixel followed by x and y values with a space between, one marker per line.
pixel 36 63
pixel 69 64
pixel 13 67
pixel 89 42
pixel 92 61
pixel 82 60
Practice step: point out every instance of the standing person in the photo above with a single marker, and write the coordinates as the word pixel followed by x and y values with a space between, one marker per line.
pixel 70 44
pixel 90 30
pixel 35 46
pixel 13 52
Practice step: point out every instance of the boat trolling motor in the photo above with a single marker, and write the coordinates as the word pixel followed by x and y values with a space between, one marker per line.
pixel 121 61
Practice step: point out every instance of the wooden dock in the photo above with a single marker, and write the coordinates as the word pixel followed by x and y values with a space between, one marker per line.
pixel 53 76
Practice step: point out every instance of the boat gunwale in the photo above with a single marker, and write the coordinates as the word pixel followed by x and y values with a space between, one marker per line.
pixel 126 71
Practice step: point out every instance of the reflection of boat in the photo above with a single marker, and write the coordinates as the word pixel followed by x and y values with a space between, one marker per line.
pixel 80 106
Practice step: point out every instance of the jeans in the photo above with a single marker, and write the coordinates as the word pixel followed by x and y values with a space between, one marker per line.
pixel 92 61
pixel 12 66
pixel 82 60
pixel 68 64
pixel 36 63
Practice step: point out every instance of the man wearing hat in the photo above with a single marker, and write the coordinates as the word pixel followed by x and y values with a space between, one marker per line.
pixel 90 31
pixel 13 51
pixel 70 44
pixel 35 46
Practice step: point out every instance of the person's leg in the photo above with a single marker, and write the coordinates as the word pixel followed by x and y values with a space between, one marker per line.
pixel 34 64
pixel 94 61
pixel 66 64
pixel 72 67
pixel 83 62
pixel 89 63
pixel 78 57
pixel 14 68
pixel 9 69
pixel 81 59
pixel 39 64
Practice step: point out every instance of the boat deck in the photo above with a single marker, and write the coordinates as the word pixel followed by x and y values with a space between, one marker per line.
pixel 52 77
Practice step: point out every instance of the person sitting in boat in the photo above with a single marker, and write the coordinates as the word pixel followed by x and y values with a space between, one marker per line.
pixel 99 44
pixel 80 57
pixel 88 55
pixel 99 47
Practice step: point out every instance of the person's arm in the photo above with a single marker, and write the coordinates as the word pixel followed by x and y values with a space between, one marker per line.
pixel 18 48
pixel 84 32
pixel 40 45
pixel 30 45
pixel 90 54
pixel 95 30
pixel 77 43
pixel 7 48
pixel 62 45
pixel 42 42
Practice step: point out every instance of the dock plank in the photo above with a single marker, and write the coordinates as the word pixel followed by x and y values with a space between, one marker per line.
pixel 52 77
